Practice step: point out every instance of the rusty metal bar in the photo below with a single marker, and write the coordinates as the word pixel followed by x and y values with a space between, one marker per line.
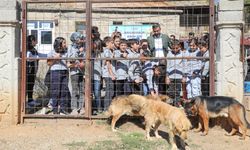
pixel 212 49
pixel 242 46
pixel 63 117
pixel 92 1
pixel 23 66
pixel 93 58
pixel 87 96
pixel 54 116
pixel 124 1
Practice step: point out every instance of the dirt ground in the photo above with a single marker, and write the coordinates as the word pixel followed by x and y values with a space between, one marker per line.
pixel 61 135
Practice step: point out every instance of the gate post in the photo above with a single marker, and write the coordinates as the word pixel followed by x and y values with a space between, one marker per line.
pixel 229 65
pixel 9 54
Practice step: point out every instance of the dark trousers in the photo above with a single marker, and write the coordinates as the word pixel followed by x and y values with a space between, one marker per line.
pixel 59 90
pixel 174 90
pixel 77 95
pixel 161 81
pixel 127 88
pixel 120 87
pixel 136 88
pixel 205 86
pixel 30 82
pixel 30 79
pixel 96 85
pixel 109 92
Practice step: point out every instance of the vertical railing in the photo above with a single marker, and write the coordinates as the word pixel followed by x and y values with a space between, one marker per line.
pixel 88 103
pixel 212 49
pixel 23 66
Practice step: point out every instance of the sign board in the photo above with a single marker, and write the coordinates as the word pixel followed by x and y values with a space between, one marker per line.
pixel 132 31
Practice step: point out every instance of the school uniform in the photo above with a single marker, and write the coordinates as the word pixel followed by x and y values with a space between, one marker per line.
pixel 96 81
pixel 110 87
pixel 134 72
pixel 174 72
pixel 60 94
pixel 205 75
pixel 31 70
pixel 76 77
pixel 193 73
pixel 148 82
pixel 121 68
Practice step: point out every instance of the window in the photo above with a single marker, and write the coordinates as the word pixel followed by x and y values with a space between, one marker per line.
pixel 117 22
pixel 80 27
pixel 34 32
pixel 46 37
pixel 194 17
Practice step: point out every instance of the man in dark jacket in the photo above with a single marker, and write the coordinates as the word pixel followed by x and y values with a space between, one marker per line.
pixel 158 43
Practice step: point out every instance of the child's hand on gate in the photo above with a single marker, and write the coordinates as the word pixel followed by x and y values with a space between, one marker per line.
pixel 139 80
pixel 113 77
pixel 167 80
pixel 184 80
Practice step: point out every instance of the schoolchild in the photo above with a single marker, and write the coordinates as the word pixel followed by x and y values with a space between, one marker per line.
pixel 203 45
pixel 174 72
pixel 108 70
pixel 76 50
pixel 97 78
pixel 31 68
pixel 193 70
pixel 59 77
pixel 135 68
pixel 122 68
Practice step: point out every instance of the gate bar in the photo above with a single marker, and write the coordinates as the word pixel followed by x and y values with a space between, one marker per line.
pixel 21 107
pixel 92 1
pixel 87 96
pixel 211 49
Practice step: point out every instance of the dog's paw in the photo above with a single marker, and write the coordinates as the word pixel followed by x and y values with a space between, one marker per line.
pixel 114 130
pixel 149 138
pixel 227 134
pixel 203 134
pixel 158 136
pixel 196 130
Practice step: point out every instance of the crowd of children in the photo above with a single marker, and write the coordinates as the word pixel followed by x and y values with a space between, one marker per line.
pixel 157 65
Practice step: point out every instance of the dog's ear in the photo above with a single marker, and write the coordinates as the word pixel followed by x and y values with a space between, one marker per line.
pixel 188 103
pixel 192 100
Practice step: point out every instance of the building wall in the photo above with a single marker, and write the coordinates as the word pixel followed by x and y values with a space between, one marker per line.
pixel 9 69
pixel 170 23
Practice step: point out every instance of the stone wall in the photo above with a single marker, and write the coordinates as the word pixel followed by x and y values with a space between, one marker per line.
pixel 9 53
pixel 229 66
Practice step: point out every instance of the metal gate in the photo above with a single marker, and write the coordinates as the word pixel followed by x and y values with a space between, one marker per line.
pixel 48 19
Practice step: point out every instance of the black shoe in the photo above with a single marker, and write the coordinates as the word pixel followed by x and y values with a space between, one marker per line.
pixel 55 111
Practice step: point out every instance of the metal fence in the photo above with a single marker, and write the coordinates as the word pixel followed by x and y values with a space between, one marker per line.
pixel 65 83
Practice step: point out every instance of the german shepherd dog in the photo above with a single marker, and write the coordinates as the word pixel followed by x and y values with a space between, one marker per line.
pixel 206 107
pixel 122 105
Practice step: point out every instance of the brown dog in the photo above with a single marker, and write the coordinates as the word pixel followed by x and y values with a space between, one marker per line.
pixel 122 105
pixel 157 112
pixel 206 107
